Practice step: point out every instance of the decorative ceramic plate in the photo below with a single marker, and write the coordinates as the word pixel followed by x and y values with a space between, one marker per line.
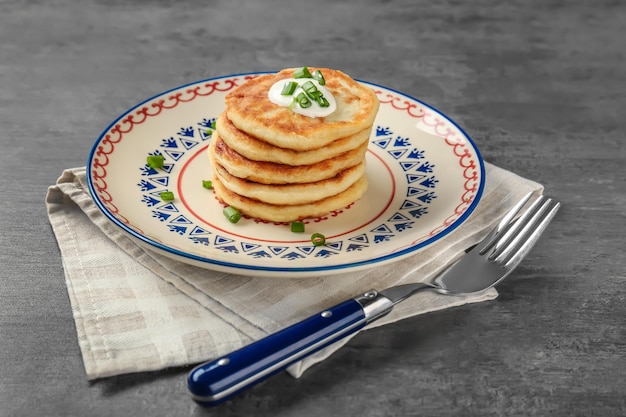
pixel 425 178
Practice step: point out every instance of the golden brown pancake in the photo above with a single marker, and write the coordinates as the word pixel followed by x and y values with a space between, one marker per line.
pixel 288 213
pixel 291 193
pixel 250 110
pixel 258 150
pixel 273 173
pixel 275 164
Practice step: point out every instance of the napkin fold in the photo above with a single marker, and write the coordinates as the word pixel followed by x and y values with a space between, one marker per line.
pixel 137 311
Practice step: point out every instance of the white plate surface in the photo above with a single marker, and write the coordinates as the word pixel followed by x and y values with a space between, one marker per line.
pixel 425 177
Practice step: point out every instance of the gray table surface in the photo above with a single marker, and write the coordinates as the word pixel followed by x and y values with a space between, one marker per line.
pixel 539 85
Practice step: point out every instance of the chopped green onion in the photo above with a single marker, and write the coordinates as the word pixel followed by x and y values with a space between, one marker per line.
pixel 213 124
pixel 167 196
pixel 311 90
pixel 207 184
pixel 289 88
pixel 155 161
pixel 303 100
pixel 302 73
pixel 317 74
pixel 297 227
pixel 232 214
pixel 315 95
pixel 318 239
pixel 309 86
pixel 321 100
pixel 208 132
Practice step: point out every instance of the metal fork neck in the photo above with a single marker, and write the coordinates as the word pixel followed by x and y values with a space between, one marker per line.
pixel 377 304
pixel 374 305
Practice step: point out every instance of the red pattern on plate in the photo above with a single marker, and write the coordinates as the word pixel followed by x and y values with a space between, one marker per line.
pixel 459 148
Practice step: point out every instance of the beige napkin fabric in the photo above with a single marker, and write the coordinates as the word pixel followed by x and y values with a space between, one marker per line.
pixel 138 311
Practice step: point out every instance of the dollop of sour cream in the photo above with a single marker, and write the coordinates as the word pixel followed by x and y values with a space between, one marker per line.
pixel 315 110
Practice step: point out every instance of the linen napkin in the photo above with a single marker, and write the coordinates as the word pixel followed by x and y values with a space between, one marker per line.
pixel 138 311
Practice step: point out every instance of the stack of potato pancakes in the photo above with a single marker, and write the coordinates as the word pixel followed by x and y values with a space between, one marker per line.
pixel 276 164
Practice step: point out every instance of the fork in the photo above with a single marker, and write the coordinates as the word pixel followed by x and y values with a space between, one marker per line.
pixel 491 261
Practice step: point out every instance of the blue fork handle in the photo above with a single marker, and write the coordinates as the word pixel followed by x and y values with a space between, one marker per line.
pixel 214 382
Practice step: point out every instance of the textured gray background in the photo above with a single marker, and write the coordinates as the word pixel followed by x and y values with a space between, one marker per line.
pixel 539 85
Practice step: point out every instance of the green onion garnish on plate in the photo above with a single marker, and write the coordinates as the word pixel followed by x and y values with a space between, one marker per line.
pixel 232 214
pixel 167 196
pixel 318 239
pixel 155 161
pixel 297 227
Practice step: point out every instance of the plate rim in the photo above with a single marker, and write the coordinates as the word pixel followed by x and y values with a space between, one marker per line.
pixel 238 267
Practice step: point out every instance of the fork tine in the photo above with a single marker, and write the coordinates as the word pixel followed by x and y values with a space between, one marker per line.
pixel 519 247
pixel 502 240
pixel 513 212
pixel 521 227
pixel 505 222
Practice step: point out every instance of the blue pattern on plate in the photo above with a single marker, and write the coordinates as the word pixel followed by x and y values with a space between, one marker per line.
pixel 413 161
